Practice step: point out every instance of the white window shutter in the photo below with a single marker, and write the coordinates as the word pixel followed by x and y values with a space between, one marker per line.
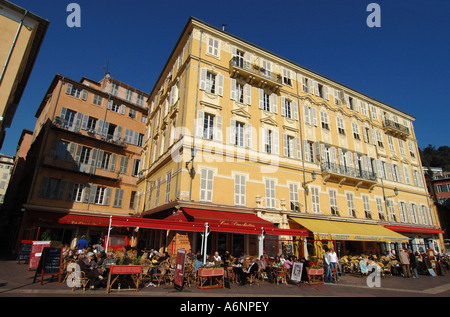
pixel 69 88
pixel 295 109
pixel 84 122
pixel 307 111
pixel 283 106
pixel 275 103
pixel 84 94
pixel 298 148
pixel 311 86
pixel 327 94
pixel 314 116
pixel 276 142
pixel 248 94
pixel 200 122
pixel 218 129
pixel 202 78
pixel 220 85
pixel 285 144
pixel 307 151
pixel 232 131
pixel 261 98
pixel 122 109
pixel 248 132
pixel 233 89
pixel 316 88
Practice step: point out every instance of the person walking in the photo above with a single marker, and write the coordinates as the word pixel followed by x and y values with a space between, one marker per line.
pixel 334 264
pixel 404 260
pixel 413 263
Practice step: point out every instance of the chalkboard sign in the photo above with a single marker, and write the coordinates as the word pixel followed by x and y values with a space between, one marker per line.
pixel 24 251
pixel 49 263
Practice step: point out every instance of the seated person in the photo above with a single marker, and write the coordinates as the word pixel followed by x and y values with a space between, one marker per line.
pixel 245 273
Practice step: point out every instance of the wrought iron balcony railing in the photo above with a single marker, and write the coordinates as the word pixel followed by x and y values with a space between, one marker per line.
pixel 255 70
pixel 348 171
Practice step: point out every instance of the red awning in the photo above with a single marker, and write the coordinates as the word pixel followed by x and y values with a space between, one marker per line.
pixel 156 224
pixel 412 229
pixel 232 222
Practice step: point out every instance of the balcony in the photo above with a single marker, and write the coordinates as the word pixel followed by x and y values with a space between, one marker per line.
pixel 332 172
pixel 62 124
pixel 395 129
pixel 254 74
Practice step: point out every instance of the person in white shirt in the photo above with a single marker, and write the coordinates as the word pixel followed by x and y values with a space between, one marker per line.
pixel 333 263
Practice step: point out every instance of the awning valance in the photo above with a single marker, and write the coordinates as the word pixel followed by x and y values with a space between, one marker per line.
pixel 351 231
pixel 413 229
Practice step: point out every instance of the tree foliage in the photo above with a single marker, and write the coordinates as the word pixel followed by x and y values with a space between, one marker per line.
pixel 432 157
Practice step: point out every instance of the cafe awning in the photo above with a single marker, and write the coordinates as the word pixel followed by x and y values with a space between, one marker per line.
pixel 351 231
pixel 231 222
pixel 413 229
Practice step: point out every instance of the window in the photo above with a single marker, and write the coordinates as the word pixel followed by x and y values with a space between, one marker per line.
pixel 270 141
pixel 68 116
pixel 401 146
pixel 77 194
pixel 114 89
pixel 425 215
pixel 293 197
pixel 288 146
pixel 91 124
pixel 324 120
pixel 337 97
pixel 239 93
pixel 97 100
pixel 287 77
pixel 266 102
pixel 411 150
pixel 135 169
pixel 100 195
pixel 309 151
pixel 333 202
pixel 310 115
pixel 366 206
pixel 350 205
pixel 158 191
pixel 208 126
pixel 380 208
pixel 239 190
pixel 118 198
pixel 414 213
pixel 270 193
pixel 213 46
pixel 315 200
pixel 206 185
pixel 286 110
pixel 140 100
pixel 374 113
pixel 391 143
pixel 321 90
pixel 379 139
pixel 76 92
pixel 85 155
pixel 402 211
pixel 390 206
pixel 129 95
pixel 340 125
pixel 307 85
pixel 62 150
pixel 123 165
pixel 132 199
pixel 355 131
pixel 239 134
pixel 352 103
pixel 210 82
pixel 105 160
pixel 132 113
pixel 52 188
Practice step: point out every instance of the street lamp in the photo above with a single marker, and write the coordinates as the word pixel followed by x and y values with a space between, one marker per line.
pixel 304 185
pixel 395 193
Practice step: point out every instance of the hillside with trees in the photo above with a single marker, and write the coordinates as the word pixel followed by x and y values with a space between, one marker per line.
pixel 432 157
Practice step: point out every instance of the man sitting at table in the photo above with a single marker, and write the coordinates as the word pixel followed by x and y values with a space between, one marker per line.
pixel 245 273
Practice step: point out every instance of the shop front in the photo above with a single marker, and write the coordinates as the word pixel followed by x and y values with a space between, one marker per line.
pixel 420 238
pixel 348 238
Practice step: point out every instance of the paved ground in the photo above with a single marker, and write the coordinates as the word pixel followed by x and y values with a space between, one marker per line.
pixel 17 281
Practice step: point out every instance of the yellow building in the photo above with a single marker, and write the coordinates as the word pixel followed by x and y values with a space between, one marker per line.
pixel 21 36
pixel 235 128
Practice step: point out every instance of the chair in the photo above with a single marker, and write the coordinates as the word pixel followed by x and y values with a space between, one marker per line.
pixel 159 275
pixel 72 268
pixel 281 275
pixel 254 278
pixel 262 275
pixel 387 269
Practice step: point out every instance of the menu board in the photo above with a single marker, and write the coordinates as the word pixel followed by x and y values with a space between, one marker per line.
pixel 49 263
pixel 24 251
pixel 36 251
pixel 179 269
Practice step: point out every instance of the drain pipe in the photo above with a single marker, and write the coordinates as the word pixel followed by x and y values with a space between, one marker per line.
pixel 12 47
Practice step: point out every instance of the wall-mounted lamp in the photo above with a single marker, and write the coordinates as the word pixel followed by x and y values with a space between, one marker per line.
pixel 395 193
pixel 305 184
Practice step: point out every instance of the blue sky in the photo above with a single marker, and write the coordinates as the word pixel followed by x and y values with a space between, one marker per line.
pixel 404 63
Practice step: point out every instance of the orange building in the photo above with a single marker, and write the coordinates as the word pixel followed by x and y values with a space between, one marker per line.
pixel 84 159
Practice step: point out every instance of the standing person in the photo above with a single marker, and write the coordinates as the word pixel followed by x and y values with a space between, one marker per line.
pixel 326 264
pixel 404 260
pixel 334 264
pixel 82 244
pixel 413 263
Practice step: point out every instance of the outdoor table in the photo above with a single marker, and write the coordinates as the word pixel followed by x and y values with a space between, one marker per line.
pixel 215 277
pixel 134 270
